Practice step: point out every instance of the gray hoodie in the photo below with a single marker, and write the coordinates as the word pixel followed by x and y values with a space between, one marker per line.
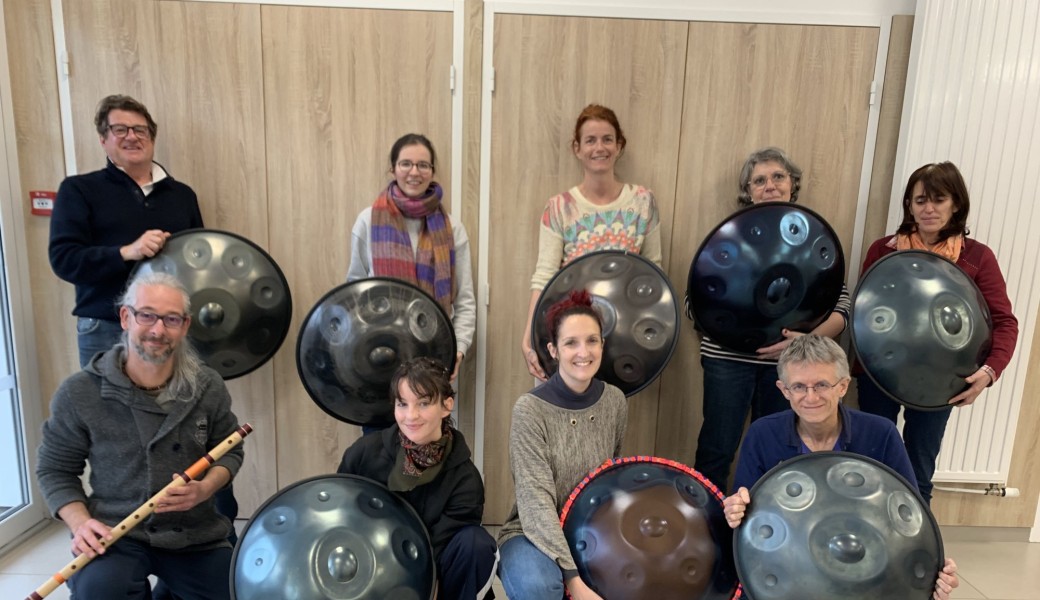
pixel 133 447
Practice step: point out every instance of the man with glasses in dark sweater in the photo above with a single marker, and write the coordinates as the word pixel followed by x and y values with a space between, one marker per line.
pixel 105 221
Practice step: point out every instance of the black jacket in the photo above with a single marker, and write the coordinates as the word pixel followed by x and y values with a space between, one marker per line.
pixel 453 500
pixel 97 213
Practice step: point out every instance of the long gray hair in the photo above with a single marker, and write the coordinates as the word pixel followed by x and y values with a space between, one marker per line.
pixel 186 361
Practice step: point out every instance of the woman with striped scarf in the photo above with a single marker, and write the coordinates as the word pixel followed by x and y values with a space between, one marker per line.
pixel 406 234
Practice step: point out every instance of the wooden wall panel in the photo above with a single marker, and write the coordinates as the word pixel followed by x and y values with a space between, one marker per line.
pixel 210 115
pixel 34 86
pixel 802 88
pixel 546 70
pixel 339 87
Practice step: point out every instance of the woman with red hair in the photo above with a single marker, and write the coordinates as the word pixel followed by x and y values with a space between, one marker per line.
pixel 600 213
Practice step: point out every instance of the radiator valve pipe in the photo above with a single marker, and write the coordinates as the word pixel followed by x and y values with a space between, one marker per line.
pixel 994 489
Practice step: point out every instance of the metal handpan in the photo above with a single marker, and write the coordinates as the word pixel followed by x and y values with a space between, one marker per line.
pixel 766 268
pixel 920 325
pixel 646 527
pixel 639 309
pixel 357 335
pixel 339 537
pixel 837 525
pixel 240 300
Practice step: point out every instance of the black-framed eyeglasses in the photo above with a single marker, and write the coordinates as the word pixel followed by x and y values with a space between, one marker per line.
pixel 422 165
pixel 800 389
pixel 778 178
pixel 121 131
pixel 143 317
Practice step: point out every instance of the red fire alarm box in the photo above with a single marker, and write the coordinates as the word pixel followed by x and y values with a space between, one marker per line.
pixel 42 202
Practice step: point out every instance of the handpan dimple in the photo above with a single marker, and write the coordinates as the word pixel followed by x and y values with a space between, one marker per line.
pixel 342 564
pixel 357 335
pixel 865 535
pixel 637 529
pixel 235 288
pixel 919 326
pixel 796 490
pixel 766 268
pixel 319 539
pixel 846 548
pixel 211 315
pixel 639 309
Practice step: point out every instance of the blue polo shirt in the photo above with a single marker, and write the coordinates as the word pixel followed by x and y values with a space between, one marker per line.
pixel 772 440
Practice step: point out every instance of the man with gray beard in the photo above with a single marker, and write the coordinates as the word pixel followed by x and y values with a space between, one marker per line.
pixel 140 412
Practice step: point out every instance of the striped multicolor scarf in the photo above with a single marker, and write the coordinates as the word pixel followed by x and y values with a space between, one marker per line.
pixel 432 266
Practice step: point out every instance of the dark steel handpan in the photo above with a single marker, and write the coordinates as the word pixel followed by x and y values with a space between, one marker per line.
pixel 357 335
pixel 339 537
pixel 639 309
pixel 920 326
pixel 240 300
pixel 837 525
pixel 766 268
pixel 646 527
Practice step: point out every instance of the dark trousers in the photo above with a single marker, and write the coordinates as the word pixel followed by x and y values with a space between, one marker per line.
pixel 731 389
pixel 923 431
pixel 227 506
pixel 467 564
pixel 122 572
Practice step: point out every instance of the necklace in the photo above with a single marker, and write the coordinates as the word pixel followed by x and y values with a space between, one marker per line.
pixel 145 388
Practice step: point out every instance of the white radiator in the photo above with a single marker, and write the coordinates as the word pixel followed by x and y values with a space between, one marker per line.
pixel 973 97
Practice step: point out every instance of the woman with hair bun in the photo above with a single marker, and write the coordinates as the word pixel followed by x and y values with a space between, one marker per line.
pixel 560 431
pixel 600 213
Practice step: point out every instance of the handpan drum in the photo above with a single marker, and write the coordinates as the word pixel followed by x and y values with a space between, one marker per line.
pixel 766 268
pixel 336 537
pixel 240 300
pixel 837 525
pixel 639 309
pixel 920 326
pixel 357 335
pixel 645 527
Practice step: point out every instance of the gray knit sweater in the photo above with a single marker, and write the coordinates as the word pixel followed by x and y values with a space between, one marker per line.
pixel 134 448
pixel 551 449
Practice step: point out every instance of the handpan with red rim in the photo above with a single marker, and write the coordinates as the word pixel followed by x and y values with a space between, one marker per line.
pixel 240 301
pixel 639 309
pixel 338 537
pixel 646 527
pixel 766 268
pixel 837 525
pixel 357 335
pixel 920 325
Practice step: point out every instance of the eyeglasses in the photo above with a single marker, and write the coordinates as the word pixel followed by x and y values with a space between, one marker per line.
pixel 423 166
pixel 778 178
pixel 800 389
pixel 121 131
pixel 171 321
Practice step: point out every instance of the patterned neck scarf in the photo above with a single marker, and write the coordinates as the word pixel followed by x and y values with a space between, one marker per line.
pixel 432 266
pixel 417 465
pixel 949 248
pixel 419 457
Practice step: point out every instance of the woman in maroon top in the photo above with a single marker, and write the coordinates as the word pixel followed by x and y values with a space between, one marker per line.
pixel 935 215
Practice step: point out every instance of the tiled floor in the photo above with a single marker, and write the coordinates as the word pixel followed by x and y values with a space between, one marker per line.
pixel 988 570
